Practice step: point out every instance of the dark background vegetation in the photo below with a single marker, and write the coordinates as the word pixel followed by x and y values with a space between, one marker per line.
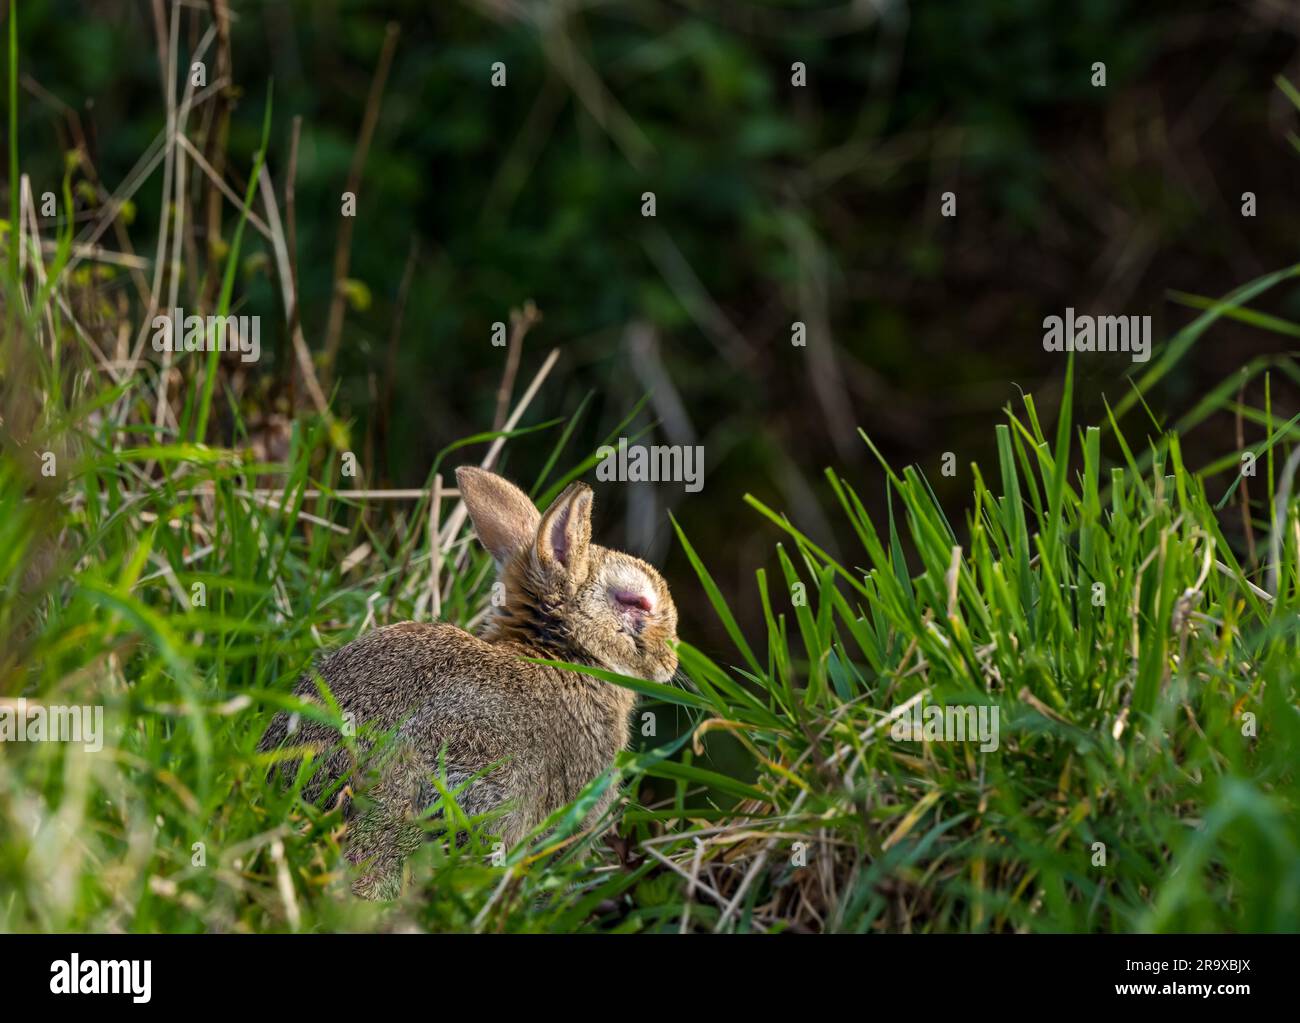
pixel 775 204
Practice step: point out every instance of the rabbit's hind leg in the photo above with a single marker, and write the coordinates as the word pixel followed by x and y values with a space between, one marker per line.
pixel 384 829
pixel 475 796
pixel 374 847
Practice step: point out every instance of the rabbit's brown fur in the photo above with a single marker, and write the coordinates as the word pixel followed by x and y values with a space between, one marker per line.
pixel 476 702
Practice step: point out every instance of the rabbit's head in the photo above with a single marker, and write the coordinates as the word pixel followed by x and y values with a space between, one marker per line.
pixel 564 594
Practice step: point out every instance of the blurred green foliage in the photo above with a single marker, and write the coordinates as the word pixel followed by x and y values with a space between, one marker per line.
pixel 775 203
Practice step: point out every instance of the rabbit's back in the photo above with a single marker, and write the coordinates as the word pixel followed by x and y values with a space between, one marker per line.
pixel 466 704
pixel 393 675
pixel 388 673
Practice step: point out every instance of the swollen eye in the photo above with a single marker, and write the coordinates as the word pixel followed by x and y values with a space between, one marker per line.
pixel 629 601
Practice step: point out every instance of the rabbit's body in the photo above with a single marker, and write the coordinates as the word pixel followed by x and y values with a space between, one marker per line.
pixel 530 736
pixel 551 730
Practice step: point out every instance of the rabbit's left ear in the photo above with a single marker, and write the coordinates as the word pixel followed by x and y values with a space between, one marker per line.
pixel 564 535
pixel 503 516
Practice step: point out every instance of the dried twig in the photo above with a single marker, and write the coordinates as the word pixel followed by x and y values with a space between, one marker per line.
pixel 521 321
pixel 459 513
pixel 288 280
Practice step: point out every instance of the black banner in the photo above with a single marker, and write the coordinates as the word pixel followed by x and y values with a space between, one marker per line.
pixel 151 973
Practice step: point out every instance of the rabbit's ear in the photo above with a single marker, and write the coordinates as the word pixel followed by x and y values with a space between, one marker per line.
pixel 503 516
pixel 564 536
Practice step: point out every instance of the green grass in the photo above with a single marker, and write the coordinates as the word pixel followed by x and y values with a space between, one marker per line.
pixel 1121 722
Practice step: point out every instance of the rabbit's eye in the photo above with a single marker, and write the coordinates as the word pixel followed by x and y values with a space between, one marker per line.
pixel 634 602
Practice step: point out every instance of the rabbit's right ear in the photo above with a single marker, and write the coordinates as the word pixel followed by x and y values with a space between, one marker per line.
pixel 564 536
pixel 503 516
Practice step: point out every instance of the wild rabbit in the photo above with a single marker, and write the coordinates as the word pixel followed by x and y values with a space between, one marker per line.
pixel 473 702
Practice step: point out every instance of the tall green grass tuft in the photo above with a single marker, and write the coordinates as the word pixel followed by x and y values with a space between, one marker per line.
pixel 1145 772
